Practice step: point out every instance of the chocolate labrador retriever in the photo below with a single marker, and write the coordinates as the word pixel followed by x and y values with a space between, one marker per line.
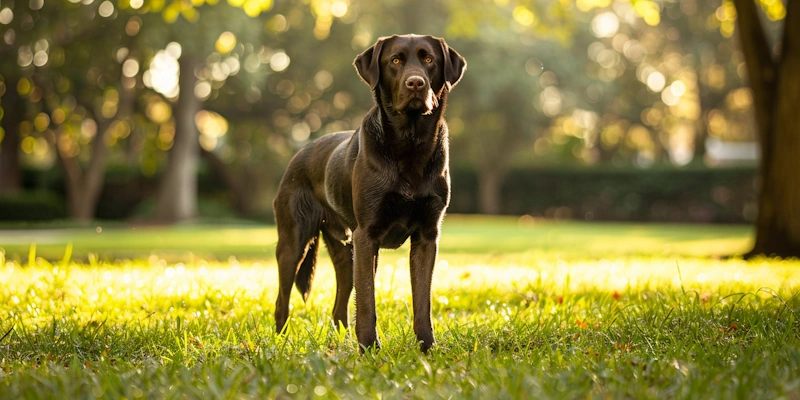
pixel 374 187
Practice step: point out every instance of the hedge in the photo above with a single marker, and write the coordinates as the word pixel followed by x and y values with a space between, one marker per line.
pixel 659 194
pixel 674 195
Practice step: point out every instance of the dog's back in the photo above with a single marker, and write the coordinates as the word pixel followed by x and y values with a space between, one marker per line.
pixel 322 159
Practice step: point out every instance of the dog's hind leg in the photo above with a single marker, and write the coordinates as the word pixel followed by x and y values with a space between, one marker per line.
pixel 342 257
pixel 298 234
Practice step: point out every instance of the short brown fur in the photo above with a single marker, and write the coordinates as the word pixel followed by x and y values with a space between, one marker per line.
pixel 374 187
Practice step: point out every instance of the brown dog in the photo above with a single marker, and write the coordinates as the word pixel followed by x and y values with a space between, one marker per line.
pixel 374 187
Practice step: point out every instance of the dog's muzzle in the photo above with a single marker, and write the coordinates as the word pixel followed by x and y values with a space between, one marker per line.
pixel 416 83
pixel 419 95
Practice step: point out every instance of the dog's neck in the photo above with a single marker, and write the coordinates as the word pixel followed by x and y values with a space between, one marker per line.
pixel 417 132
pixel 413 144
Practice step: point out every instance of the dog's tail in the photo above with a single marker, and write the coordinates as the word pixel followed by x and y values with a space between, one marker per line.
pixel 305 273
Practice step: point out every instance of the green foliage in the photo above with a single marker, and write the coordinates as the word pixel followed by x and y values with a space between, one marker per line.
pixel 31 206
pixel 725 195
pixel 207 208
pixel 556 323
pixel 561 82
pixel 617 194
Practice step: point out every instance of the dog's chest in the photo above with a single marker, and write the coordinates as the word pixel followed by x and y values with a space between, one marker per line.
pixel 401 215
pixel 410 180
pixel 408 188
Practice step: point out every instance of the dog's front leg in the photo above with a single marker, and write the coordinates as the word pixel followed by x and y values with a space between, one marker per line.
pixel 365 261
pixel 423 258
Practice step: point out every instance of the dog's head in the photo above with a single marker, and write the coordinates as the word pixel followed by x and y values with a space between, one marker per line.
pixel 412 71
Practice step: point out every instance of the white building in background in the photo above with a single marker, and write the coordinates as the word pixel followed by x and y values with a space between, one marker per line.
pixel 725 153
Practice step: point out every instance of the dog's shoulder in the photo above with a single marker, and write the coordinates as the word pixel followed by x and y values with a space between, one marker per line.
pixel 334 138
pixel 326 143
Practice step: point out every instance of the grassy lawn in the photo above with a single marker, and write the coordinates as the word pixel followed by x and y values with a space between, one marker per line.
pixel 474 236
pixel 522 309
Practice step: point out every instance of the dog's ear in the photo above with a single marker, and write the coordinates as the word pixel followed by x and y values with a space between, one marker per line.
pixel 368 64
pixel 454 65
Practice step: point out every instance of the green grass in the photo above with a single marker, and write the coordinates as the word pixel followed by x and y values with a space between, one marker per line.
pixel 476 236
pixel 521 310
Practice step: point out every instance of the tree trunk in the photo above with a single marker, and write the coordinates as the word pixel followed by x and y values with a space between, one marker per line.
pixel 177 197
pixel 10 170
pixel 94 177
pixel 72 180
pixel 776 94
pixel 782 174
pixel 701 125
pixel 490 181
pixel 84 187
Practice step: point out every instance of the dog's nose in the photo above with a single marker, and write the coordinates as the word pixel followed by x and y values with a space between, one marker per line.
pixel 415 83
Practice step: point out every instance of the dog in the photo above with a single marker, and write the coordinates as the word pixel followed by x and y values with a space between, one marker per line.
pixel 374 187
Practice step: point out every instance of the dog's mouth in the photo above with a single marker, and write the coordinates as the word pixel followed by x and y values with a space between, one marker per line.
pixel 419 101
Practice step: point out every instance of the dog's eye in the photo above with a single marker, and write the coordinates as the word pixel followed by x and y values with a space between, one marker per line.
pixel 395 61
pixel 428 59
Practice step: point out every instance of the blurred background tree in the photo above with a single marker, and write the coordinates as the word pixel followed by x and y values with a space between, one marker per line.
pixel 773 67
pixel 170 110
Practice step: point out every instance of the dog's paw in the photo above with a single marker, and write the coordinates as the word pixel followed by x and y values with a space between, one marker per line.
pixel 371 347
pixel 426 345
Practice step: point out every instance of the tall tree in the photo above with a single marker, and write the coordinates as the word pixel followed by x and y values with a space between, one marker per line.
pixel 775 82
pixel 108 104
pixel 177 198
pixel 84 184
pixel 197 26
pixel 57 31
